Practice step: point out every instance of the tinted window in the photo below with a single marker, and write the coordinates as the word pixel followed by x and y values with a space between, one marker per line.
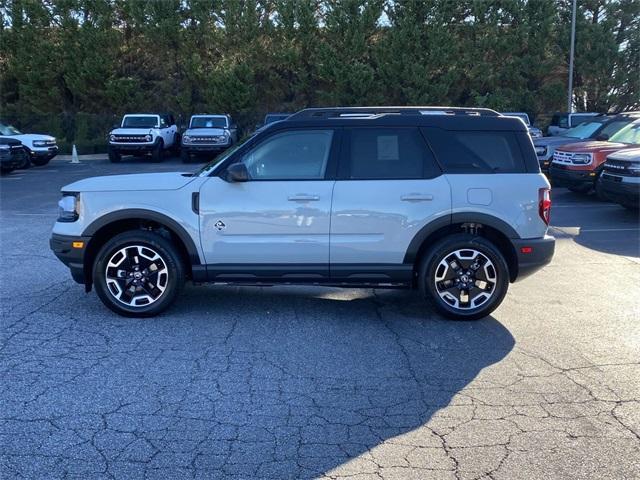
pixel 563 121
pixel 208 122
pixel 476 151
pixel 140 122
pixel 614 127
pixel 293 155
pixel 388 153
pixel 578 119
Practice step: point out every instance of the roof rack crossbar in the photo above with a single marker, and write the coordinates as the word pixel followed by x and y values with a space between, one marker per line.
pixel 361 112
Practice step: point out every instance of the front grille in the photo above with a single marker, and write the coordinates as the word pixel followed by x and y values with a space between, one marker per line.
pixel 562 157
pixel 130 138
pixel 619 168
pixel 208 139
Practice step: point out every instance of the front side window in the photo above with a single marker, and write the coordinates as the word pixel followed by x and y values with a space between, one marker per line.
pixel 140 122
pixel 614 127
pixel 388 153
pixel 292 155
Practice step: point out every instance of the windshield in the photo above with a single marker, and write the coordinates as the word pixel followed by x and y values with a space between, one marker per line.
pixel 208 122
pixel 140 122
pixel 9 130
pixel 582 131
pixel 629 134
pixel 523 116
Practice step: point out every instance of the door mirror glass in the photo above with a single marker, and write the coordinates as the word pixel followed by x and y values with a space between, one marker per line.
pixel 237 173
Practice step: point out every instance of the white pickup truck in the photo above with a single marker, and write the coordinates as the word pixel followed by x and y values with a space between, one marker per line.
pixel 141 134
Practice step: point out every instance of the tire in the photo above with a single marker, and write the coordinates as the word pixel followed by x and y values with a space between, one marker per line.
pixel 40 161
pixel 114 155
pixel 156 288
pixel 157 155
pixel 185 157
pixel 462 250
pixel 600 192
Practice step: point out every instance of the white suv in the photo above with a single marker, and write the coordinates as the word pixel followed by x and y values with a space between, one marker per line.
pixel 450 202
pixel 143 133
pixel 40 148
pixel 208 134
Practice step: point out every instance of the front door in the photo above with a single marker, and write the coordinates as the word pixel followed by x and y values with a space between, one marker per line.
pixel 276 224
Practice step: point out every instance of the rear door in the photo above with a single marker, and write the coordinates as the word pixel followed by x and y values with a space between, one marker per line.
pixel 388 188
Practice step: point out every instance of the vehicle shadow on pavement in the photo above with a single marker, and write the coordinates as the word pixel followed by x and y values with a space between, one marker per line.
pixel 245 383
pixel 622 237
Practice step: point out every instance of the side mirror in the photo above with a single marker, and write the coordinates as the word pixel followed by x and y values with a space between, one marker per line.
pixel 237 173
pixel 602 138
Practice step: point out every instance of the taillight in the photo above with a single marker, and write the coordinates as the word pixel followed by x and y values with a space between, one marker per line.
pixel 544 204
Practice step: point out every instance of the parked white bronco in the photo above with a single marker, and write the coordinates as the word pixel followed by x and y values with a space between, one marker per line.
pixel 449 201
pixel 143 133
pixel 207 135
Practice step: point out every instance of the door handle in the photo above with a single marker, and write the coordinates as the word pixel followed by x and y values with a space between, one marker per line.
pixel 417 197
pixel 301 197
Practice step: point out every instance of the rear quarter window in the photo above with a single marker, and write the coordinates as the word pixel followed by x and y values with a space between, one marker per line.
pixel 461 152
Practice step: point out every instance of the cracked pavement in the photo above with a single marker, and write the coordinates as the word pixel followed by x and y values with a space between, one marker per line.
pixel 303 382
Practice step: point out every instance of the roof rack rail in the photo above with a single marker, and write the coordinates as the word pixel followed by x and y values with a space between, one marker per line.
pixel 363 112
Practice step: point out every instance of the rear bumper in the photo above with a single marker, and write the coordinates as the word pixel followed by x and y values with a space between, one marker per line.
pixel 617 190
pixel 540 254
pixel 562 177
pixel 72 257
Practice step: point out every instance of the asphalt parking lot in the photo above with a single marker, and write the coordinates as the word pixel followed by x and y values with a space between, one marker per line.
pixel 303 382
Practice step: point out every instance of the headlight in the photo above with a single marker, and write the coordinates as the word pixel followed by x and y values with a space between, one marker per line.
pixel 220 138
pixel 581 158
pixel 112 138
pixel 186 139
pixel 148 138
pixel 68 207
pixel 39 143
pixel 541 151
pixel 634 168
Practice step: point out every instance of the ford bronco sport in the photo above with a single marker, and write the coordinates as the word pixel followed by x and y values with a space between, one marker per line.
pixel 141 134
pixel 448 201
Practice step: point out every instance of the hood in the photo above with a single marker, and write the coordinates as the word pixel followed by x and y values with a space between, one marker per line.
pixel 558 140
pixel 628 155
pixel 132 131
pixel 595 147
pixel 205 132
pixel 136 182
pixel 30 137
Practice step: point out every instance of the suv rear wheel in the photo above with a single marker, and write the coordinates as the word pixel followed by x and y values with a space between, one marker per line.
pixel 464 277
pixel 138 274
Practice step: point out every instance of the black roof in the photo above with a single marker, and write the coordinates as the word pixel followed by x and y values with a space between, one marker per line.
pixel 448 118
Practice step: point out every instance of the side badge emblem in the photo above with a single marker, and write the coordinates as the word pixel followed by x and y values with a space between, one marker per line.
pixel 220 225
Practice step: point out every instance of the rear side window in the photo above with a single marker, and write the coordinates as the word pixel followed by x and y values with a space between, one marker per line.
pixel 476 151
pixel 386 153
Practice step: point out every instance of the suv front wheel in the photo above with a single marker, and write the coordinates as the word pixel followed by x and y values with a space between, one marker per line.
pixel 138 274
pixel 464 277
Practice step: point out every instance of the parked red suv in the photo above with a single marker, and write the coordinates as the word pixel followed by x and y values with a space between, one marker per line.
pixel 577 166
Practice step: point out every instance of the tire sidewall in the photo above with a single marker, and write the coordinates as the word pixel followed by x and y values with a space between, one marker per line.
pixel 158 151
pixel 443 248
pixel 114 155
pixel 169 255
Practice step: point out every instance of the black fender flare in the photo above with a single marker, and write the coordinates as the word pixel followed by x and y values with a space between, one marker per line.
pixel 456 218
pixel 142 214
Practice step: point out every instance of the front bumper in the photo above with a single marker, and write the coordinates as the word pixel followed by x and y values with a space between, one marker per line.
pixel 132 148
pixel 72 256
pixel 540 252
pixel 44 152
pixel 561 176
pixel 617 190
pixel 208 148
